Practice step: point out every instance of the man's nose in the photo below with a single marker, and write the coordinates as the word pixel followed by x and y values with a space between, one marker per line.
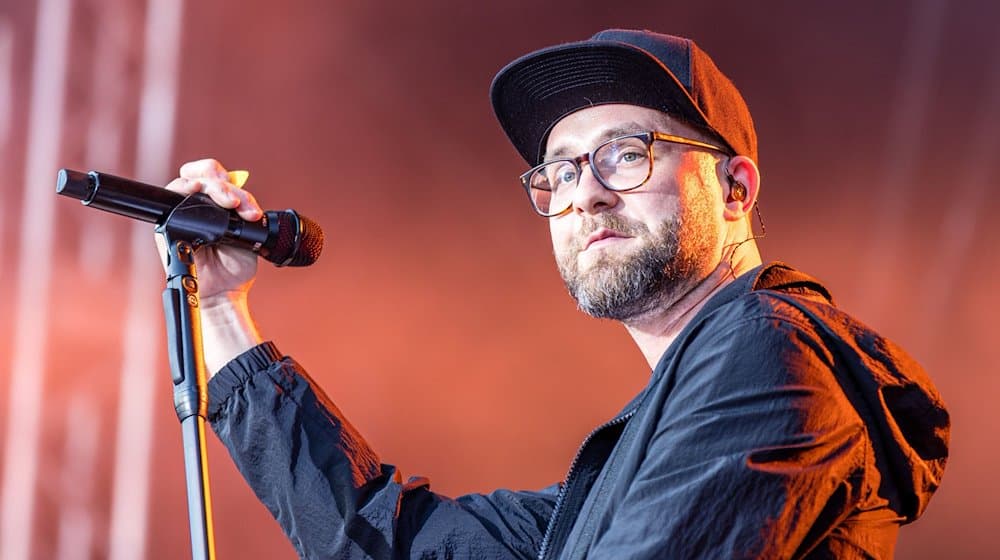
pixel 590 196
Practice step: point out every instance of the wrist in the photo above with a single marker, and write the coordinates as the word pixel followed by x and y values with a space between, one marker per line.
pixel 228 328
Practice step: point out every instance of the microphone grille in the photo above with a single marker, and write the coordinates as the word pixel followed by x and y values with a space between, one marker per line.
pixel 299 241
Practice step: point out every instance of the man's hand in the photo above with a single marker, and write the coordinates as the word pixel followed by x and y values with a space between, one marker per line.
pixel 225 273
pixel 222 269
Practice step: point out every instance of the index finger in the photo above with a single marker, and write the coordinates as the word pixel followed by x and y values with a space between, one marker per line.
pixel 203 168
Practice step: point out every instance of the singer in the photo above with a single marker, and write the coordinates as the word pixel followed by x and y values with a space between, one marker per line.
pixel 774 425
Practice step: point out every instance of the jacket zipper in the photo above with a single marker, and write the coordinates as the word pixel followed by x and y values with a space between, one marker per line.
pixel 564 488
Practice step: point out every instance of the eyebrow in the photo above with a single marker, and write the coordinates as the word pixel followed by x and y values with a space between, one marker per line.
pixel 619 130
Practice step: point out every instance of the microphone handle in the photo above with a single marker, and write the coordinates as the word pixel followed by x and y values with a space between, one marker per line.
pixel 118 195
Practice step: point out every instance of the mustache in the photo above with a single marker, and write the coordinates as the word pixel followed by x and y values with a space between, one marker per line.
pixel 613 222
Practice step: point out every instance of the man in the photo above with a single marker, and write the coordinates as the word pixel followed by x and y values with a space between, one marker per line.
pixel 773 425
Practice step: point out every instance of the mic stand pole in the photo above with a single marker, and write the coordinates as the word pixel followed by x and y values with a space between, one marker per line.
pixel 192 224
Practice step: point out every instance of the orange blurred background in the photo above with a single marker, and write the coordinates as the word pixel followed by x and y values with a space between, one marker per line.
pixel 878 125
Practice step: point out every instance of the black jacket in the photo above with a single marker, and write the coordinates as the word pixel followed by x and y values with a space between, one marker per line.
pixel 775 426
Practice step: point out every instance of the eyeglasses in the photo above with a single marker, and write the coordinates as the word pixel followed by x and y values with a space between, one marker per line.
pixel 620 164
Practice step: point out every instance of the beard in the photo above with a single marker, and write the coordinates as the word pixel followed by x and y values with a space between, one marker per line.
pixel 669 262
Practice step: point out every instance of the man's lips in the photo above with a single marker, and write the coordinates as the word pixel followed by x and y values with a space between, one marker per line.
pixel 601 234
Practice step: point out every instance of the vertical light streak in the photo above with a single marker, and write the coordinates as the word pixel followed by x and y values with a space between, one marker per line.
pixel 75 490
pixel 106 129
pixel 6 103
pixel 143 332
pixel 34 270
pixel 969 203
pixel 905 127
pixel 6 78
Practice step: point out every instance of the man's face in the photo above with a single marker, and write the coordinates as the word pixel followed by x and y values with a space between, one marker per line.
pixel 623 254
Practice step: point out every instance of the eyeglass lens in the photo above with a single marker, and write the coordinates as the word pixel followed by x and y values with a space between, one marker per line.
pixel 620 164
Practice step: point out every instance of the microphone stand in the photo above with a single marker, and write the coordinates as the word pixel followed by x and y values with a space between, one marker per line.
pixel 194 223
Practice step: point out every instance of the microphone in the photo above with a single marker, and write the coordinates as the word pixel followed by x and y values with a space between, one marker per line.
pixel 283 237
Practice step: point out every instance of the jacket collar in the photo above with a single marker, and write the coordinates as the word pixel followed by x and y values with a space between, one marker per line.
pixel 776 276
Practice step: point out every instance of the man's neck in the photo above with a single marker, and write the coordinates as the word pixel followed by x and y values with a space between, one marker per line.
pixel 655 331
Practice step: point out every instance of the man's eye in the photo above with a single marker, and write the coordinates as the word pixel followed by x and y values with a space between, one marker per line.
pixel 631 157
pixel 564 175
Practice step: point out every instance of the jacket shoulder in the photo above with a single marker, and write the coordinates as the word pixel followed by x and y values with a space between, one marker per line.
pixel 899 402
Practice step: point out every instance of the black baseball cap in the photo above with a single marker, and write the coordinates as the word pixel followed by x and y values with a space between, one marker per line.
pixel 663 72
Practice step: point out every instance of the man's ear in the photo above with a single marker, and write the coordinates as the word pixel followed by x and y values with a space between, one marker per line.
pixel 740 187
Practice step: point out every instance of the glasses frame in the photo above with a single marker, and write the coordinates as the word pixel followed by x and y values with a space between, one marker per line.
pixel 647 137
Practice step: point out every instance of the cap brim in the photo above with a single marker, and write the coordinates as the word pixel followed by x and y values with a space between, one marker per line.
pixel 531 94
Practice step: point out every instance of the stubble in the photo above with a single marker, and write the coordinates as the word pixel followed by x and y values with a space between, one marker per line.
pixel 668 262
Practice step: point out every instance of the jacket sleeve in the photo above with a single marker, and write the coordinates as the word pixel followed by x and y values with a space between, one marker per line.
pixel 327 488
pixel 757 453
